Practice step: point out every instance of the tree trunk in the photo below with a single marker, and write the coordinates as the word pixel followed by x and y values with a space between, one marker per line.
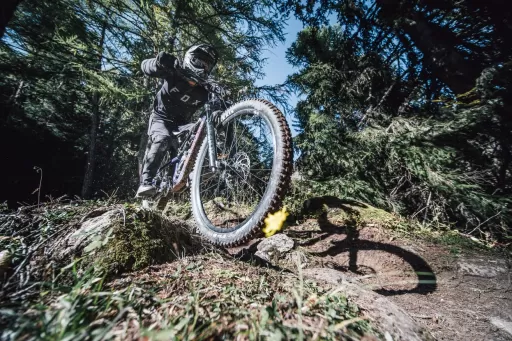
pixel 17 94
pixel 91 156
pixel 7 8
pixel 95 119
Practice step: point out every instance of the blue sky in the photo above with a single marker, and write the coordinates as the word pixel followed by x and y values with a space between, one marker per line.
pixel 277 68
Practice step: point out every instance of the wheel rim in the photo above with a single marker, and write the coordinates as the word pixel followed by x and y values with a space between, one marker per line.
pixel 246 154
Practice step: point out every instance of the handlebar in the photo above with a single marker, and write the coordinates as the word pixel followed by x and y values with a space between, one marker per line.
pixel 209 85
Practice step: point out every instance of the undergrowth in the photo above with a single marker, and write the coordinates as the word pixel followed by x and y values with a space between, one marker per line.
pixel 311 199
pixel 191 299
pixel 207 296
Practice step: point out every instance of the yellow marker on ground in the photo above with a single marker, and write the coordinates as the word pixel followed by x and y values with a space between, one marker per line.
pixel 274 222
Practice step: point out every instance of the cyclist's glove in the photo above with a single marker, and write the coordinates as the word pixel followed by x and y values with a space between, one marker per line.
pixel 216 117
pixel 218 107
pixel 166 61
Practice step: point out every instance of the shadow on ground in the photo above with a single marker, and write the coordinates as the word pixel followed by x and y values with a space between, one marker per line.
pixel 353 244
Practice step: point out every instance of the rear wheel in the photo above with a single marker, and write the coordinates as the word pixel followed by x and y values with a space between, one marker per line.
pixel 255 155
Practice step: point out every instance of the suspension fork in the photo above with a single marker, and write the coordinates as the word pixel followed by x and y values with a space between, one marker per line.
pixel 212 139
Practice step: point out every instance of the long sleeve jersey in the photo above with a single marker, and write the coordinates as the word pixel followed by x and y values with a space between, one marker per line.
pixel 177 99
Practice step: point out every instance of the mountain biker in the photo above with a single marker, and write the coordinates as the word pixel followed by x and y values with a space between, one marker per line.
pixel 174 104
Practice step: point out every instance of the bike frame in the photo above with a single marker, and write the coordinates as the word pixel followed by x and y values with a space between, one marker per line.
pixel 180 176
pixel 206 124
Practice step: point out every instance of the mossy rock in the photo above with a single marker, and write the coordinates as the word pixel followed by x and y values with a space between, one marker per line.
pixel 141 238
pixel 350 212
pixel 125 238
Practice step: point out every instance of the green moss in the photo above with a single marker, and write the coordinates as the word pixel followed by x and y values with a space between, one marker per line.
pixel 141 238
pixel 359 215
pixel 179 208
pixel 441 234
pixel 457 243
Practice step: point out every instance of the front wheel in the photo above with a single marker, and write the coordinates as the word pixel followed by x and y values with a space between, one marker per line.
pixel 254 153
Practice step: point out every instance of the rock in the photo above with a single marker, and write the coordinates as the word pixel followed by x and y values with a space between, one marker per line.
pixel 5 262
pixel 325 274
pixel 273 248
pixel 75 241
pixel 296 257
pixel 5 259
pixel 506 326
pixel 391 320
pixel 124 238
pixel 480 268
pixel 263 255
pixel 278 242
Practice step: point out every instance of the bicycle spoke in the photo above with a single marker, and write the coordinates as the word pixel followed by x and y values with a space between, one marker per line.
pixel 264 181
pixel 249 185
pixel 246 152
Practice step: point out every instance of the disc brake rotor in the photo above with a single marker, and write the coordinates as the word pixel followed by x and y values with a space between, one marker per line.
pixel 242 165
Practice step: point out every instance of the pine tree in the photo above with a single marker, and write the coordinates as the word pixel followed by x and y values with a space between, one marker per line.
pixel 7 9
pixel 380 120
pixel 71 70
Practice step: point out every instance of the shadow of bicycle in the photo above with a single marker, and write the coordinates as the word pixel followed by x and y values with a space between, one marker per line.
pixel 352 245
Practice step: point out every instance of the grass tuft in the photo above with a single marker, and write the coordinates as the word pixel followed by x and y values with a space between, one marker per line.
pixel 135 281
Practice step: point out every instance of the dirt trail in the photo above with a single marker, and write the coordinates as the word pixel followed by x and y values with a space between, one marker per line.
pixel 456 295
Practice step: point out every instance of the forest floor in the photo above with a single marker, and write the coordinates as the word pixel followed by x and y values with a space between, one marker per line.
pixel 357 267
pixel 454 287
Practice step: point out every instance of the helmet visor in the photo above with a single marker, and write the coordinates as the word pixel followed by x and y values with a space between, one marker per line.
pixel 202 61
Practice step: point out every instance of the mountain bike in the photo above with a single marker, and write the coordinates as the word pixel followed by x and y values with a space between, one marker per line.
pixel 236 163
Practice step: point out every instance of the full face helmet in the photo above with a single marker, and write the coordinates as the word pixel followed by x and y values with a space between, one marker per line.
pixel 200 59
